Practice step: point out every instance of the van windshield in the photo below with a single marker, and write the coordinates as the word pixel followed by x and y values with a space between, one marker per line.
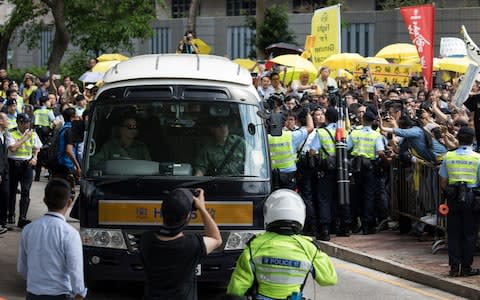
pixel 176 138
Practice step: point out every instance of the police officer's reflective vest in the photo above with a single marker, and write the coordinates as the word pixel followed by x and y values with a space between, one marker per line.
pixel 326 141
pixel 41 117
pixel 364 143
pixel 279 273
pixel 25 150
pixel 12 122
pixel 281 150
pixel 462 168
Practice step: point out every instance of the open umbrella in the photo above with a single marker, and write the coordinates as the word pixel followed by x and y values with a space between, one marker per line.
pixel 282 49
pixel 414 63
pixel 295 61
pixel 203 48
pixel 246 63
pixel 104 66
pixel 111 56
pixel 398 51
pixel 349 61
pixel 376 60
pixel 90 76
pixel 455 64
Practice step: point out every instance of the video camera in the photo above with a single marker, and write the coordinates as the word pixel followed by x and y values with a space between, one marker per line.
pixel 274 121
pixel 334 95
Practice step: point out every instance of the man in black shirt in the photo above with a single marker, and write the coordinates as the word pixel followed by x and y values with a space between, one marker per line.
pixel 171 256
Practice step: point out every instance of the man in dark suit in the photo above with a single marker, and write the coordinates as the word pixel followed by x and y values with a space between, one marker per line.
pixel 3 173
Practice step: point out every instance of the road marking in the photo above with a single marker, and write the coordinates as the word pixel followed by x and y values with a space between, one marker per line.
pixel 346 267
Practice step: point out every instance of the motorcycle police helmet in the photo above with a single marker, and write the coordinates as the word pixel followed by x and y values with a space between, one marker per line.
pixel 284 212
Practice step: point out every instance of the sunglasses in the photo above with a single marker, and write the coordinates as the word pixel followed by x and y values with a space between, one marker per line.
pixel 130 126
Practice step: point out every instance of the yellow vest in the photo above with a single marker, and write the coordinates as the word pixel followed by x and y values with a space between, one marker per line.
pixel 25 150
pixel 282 155
pixel 12 122
pixel 326 141
pixel 364 143
pixel 280 264
pixel 41 117
pixel 461 167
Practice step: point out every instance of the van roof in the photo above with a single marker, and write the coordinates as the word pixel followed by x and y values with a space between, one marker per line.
pixel 178 66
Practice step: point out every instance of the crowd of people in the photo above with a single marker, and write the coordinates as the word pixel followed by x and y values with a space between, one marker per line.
pixel 31 111
pixel 383 122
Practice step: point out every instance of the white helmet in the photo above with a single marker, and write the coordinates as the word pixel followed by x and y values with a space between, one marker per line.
pixel 284 208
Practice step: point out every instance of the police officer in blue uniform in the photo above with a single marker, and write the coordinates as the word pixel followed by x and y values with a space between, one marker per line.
pixel 460 178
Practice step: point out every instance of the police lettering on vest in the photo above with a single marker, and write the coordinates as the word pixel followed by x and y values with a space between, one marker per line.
pixel 462 168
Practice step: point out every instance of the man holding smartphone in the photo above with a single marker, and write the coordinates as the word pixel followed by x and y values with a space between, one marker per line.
pixel 171 256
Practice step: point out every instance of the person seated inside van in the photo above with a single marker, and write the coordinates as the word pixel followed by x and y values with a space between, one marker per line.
pixel 224 154
pixel 123 144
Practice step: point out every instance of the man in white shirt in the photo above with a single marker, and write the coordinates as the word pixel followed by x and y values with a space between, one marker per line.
pixel 324 80
pixel 50 254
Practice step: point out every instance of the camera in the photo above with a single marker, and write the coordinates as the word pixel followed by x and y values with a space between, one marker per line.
pixel 333 95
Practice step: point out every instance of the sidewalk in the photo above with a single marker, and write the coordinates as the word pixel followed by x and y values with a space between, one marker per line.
pixel 405 256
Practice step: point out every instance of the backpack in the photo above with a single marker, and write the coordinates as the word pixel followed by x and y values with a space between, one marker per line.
pixel 50 149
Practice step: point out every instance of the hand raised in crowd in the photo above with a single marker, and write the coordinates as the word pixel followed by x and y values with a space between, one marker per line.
pixel 27 134
pixel 199 200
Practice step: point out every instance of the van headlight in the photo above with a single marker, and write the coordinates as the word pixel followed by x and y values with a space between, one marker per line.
pixel 237 240
pixel 106 238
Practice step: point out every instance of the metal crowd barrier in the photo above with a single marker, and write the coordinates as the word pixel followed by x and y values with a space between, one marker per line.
pixel 415 196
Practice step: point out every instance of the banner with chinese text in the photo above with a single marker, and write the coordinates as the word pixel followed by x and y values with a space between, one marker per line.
pixel 386 73
pixel 326 31
pixel 420 22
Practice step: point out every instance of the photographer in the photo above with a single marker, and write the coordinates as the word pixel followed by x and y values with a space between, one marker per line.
pixel 170 256
pixel 186 45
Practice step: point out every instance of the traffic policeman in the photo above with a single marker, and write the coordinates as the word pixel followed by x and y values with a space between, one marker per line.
pixel 328 210
pixel 43 119
pixel 265 269
pixel 11 113
pixel 283 154
pixel 23 146
pixel 460 178
pixel 366 147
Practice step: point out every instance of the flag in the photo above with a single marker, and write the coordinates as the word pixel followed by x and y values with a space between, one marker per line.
pixel 326 32
pixel 420 22
pixel 473 51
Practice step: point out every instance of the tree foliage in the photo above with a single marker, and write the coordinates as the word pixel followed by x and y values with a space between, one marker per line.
pixel 274 28
pixel 101 25
pixel 392 4
pixel 22 12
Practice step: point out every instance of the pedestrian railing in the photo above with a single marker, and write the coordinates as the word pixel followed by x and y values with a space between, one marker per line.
pixel 415 196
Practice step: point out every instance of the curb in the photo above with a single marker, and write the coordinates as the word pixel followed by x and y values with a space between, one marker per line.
pixel 393 268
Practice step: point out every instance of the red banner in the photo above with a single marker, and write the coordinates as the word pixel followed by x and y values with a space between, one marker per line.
pixel 420 21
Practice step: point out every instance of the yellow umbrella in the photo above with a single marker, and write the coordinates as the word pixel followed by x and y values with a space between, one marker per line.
pixel 341 73
pixel 376 60
pixel 398 51
pixel 349 61
pixel 294 74
pixel 414 63
pixel 246 63
pixel 104 66
pixel 455 64
pixel 295 61
pixel 203 48
pixel 111 56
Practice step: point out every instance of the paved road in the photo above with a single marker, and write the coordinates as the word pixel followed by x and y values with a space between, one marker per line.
pixel 355 282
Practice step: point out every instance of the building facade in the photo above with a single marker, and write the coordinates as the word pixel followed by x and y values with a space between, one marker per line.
pixel 222 25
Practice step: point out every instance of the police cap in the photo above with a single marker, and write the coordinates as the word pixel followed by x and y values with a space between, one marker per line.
pixel 369 115
pixel 23 118
pixel 11 102
pixel 466 131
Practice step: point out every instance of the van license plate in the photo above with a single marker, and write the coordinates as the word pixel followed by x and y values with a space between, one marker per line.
pixel 198 270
